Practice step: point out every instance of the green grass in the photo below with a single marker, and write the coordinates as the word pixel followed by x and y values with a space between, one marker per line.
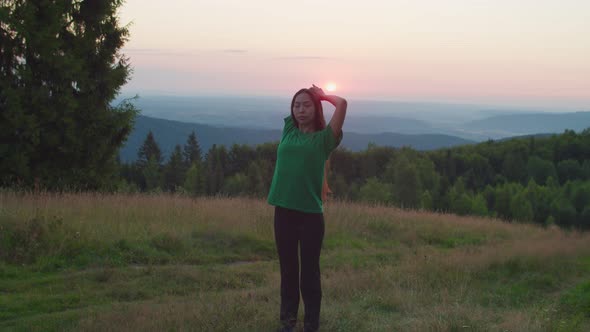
pixel 151 263
pixel 577 300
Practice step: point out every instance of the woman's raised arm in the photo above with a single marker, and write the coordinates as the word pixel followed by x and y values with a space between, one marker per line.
pixel 339 114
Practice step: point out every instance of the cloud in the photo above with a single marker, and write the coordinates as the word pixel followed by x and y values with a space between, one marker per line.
pixel 172 52
pixel 157 52
pixel 234 51
pixel 303 57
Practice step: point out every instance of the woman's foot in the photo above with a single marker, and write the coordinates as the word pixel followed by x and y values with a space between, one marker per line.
pixel 310 329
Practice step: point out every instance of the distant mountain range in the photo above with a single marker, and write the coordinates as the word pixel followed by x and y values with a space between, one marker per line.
pixel 168 133
pixel 226 120
pixel 526 124
pixel 470 122
pixel 493 127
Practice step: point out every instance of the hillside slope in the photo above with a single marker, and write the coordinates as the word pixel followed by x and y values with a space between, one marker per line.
pixel 526 124
pixel 168 133
pixel 98 262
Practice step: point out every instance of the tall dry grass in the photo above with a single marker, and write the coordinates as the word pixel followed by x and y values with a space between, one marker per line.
pixel 384 269
pixel 104 216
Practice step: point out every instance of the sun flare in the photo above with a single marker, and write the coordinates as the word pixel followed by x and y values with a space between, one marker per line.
pixel 331 87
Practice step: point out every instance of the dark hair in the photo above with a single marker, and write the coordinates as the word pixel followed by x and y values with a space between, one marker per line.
pixel 320 121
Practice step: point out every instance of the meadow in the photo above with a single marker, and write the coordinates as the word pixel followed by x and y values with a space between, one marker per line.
pixel 139 262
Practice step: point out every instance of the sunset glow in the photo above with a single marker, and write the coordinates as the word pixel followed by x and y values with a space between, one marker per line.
pixel 529 52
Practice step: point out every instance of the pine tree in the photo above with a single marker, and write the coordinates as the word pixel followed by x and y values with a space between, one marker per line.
pixel 192 150
pixel 60 70
pixel 151 173
pixel 256 183
pixel 195 182
pixel 174 171
pixel 148 150
pixel 239 157
pixel 214 166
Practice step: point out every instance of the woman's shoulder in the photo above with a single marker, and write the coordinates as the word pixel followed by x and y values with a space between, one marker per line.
pixel 289 125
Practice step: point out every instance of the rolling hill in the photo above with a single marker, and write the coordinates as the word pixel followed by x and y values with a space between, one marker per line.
pixel 525 124
pixel 168 133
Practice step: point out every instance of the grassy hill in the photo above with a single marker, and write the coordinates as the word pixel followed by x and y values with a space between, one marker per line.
pixel 98 262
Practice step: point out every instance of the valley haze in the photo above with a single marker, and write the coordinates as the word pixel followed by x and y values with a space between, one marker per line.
pixel 421 125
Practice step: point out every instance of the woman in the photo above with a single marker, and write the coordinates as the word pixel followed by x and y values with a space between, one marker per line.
pixel 297 191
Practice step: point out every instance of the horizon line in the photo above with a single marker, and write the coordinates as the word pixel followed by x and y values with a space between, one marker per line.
pixel 431 101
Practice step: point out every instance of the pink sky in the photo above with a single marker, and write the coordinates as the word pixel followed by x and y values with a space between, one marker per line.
pixel 499 52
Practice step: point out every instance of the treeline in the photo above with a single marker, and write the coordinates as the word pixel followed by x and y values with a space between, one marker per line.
pixel 241 170
pixel 545 180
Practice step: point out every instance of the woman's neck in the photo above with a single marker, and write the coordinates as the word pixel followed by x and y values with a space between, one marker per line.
pixel 307 128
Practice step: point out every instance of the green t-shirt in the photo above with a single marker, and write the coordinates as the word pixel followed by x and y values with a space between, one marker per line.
pixel 299 171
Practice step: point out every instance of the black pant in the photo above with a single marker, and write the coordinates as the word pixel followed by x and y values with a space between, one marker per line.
pixel 294 229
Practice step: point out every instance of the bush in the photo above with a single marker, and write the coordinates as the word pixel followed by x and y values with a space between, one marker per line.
pixel 21 242
pixel 39 240
pixel 168 243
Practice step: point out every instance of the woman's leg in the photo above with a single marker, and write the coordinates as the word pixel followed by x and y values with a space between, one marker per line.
pixel 311 289
pixel 286 238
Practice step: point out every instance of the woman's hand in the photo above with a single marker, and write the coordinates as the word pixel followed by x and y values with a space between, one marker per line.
pixel 317 91
pixel 339 113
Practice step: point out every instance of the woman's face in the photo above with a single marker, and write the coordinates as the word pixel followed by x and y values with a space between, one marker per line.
pixel 304 110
